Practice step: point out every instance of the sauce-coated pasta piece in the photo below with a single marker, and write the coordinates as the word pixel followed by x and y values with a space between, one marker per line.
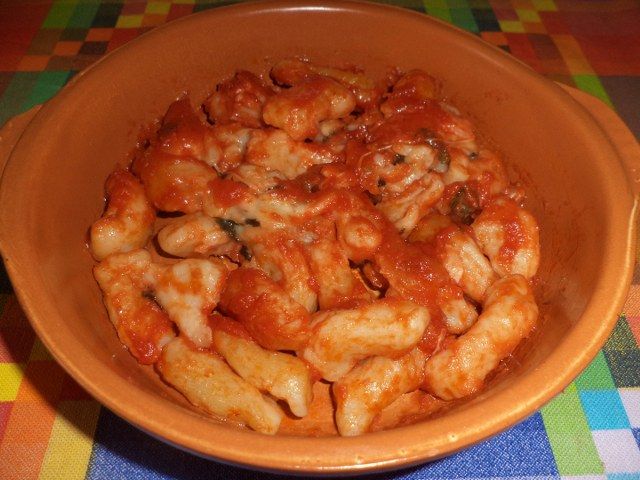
pixel 509 315
pixel 459 254
pixel 341 338
pixel 508 235
pixel 210 384
pixel 284 260
pixel 189 291
pixel 175 183
pixel 141 325
pixel 411 89
pixel 265 309
pixel 275 150
pixel 282 375
pixel 338 284
pixel 127 223
pixel 372 385
pixel 192 234
pixel 300 109
pixel 294 71
pixel 239 99
pixel 406 209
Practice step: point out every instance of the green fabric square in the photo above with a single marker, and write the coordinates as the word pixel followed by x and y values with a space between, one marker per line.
pixel 16 94
pixel 84 14
pixel 569 435
pixel 591 84
pixel 47 85
pixel 59 14
pixel 596 376
pixel 463 18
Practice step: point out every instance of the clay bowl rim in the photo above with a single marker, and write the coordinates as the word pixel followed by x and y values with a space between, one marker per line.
pixel 392 449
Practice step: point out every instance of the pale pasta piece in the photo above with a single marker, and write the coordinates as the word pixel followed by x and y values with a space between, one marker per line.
pixel 210 384
pixel 275 150
pixel 189 291
pixel 127 223
pixel 280 255
pixel 337 283
pixel 258 179
pixel 226 145
pixel 508 235
pixel 280 374
pixel 459 314
pixel 195 233
pixel 509 315
pixel 341 338
pixel 406 209
pixel 465 263
pixel 407 409
pixel 458 252
pixel 141 325
pixel 359 237
pixel 486 168
pixel 372 385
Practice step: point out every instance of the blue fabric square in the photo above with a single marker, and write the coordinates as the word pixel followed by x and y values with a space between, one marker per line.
pixel 522 451
pixel 623 476
pixel 636 435
pixel 122 451
pixel 604 409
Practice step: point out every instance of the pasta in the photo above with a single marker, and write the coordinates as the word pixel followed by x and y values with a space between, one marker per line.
pixel 318 225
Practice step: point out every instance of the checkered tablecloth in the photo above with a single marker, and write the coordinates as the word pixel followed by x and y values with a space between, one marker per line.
pixel 51 429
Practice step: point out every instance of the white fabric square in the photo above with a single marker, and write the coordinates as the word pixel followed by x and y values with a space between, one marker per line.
pixel 618 450
pixel 631 400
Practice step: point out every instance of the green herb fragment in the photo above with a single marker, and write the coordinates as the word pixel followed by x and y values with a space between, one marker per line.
pixel 229 226
pixel 461 208
pixel 244 251
pixel 148 294
pixel 398 159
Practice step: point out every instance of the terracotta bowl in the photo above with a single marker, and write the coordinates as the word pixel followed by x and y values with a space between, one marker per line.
pixel 52 190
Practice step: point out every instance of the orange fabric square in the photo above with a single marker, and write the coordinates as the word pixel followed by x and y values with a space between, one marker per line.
pixel 534 27
pixel 67 48
pixel 33 63
pixel 494 38
pixel 99 35
pixel 150 19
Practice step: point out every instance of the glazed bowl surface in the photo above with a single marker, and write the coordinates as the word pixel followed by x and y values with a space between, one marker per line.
pixel 52 190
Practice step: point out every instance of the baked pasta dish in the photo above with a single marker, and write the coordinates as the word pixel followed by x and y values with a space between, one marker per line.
pixel 317 226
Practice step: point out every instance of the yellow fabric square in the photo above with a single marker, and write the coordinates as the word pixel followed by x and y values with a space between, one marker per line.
pixel 71 440
pixel 159 8
pixel 10 378
pixel 511 26
pixel 129 21
pixel 545 5
pixel 528 15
